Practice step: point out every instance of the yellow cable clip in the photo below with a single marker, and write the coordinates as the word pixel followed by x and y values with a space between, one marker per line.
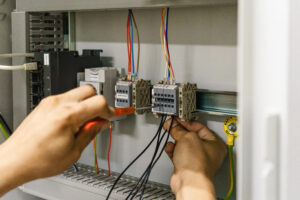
pixel 230 127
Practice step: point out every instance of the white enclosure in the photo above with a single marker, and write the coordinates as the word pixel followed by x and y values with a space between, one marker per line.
pixel 248 46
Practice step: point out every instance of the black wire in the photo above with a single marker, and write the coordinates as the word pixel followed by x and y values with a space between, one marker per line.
pixel 3 122
pixel 136 188
pixel 146 174
pixel 132 162
pixel 160 154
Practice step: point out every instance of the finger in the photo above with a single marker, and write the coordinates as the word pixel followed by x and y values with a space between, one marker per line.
pixel 177 131
pixel 169 149
pixel 80 93
pixel 93 107
pixel 202 130
pixel 87 133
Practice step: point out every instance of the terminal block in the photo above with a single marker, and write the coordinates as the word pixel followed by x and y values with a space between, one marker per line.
pixel 123 98
pixel 165 99
pixel 176 100
pixel 187 101
pixel 141 95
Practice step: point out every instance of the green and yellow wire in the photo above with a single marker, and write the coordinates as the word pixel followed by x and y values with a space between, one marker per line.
pixel 96 166
pixel 230 153
pixel 4 131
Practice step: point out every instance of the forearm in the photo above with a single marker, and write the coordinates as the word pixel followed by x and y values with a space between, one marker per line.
pixel 194 186
pixel 12 173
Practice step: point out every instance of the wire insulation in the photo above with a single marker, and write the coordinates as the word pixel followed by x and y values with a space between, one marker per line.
pixel 134 160
pixel 139 44
pixel 230 153
pixel 109 147
pixel 4 131
pixel 96 165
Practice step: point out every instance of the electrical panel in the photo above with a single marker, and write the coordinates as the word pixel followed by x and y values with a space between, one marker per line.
pixel 57 72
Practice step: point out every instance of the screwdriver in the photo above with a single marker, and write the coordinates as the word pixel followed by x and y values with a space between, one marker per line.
pixel 118 112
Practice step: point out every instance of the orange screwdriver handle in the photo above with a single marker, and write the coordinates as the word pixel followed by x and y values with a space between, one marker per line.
pixel 118 112
pixel 124 111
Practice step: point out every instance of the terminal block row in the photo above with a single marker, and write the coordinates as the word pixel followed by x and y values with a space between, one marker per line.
pixel 165 99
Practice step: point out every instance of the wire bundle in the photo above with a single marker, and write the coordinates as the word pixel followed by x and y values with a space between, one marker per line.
pixel 143 180
pixel 165 42
pixel 130 49
pixel 230 152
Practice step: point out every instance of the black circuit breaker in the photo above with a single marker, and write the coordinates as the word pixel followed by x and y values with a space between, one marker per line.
pixel 57 72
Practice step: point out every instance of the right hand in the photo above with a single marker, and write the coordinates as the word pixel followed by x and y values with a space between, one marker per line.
pixel 53 136
pixel 197 155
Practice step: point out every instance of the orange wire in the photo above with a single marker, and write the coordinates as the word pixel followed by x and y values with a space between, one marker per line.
pixel 109 147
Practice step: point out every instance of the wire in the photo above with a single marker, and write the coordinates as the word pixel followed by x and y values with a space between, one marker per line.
pixel 132 39
pixel 167 41
pixel 230 152
pixel 4 131
pixel 139 44
pixel 96 166
pixel 129 45
pixel 109 147
pixel 136 188
pixel 26 66
pixel 145 176
pixel 162 38
pixel 13 55
pixel 75 167
pixel 5 125
pixel 132 162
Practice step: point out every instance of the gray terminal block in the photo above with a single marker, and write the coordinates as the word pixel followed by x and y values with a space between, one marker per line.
pixel 165 99
pixel 123 98
pixel 97 86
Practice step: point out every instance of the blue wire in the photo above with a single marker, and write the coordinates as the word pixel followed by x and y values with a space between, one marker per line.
pixel 167 40
pixel 132 52
pixel 75 167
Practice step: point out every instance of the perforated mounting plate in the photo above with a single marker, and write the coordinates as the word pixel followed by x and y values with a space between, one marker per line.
pixel 72 185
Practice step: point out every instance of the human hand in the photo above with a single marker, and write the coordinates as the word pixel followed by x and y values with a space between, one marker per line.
pixel 197 155
pixel 52 137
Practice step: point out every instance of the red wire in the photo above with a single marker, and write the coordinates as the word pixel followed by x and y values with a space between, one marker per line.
pixel 165 35
pixel 98 170
pixel 128 44
pixel 108 152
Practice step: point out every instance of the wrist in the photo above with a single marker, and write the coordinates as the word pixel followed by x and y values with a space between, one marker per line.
pixel 191 185
pixel 13 172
